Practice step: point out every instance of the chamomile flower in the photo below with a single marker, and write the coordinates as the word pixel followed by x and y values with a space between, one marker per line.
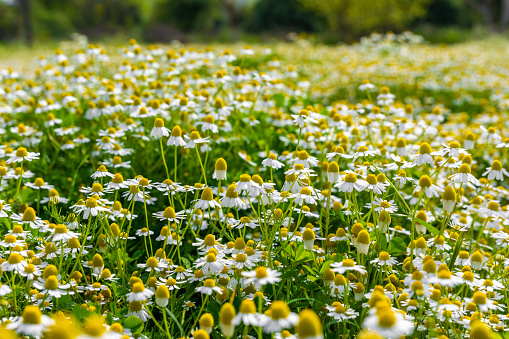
pixel 247 314
pixel 170 215
pixel 496 171
pixel 350 183
pixel 347 265
pixel 139 292
pixel 209 287
pixel 22 155
pixel 207 200
pixel 31 323
pixel 159 131
pixel 278 317
pixel 262 276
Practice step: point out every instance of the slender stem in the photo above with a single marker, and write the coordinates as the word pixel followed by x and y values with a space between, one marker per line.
pixel 164 160
pixel 201 165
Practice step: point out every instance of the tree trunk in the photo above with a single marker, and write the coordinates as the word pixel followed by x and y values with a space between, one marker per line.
pixel 27 21
pixel 504 19
pixel 485 7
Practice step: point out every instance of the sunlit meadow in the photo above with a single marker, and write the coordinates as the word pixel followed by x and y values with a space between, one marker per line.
pixel 286 191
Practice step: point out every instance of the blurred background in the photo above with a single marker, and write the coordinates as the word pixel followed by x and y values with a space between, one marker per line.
pixel 327 21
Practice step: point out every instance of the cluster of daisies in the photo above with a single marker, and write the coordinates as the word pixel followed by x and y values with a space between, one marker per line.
pixel 203 193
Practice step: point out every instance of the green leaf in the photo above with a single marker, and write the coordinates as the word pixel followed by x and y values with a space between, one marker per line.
pixel 325 266
pixel 213 308
pixel 109 318
pixel 312 278
pixel 397 246
pixel 279 99
pixel 186 262
pixel 133 323
pixel 79 312
pixel 175 321
pixel 430 228
pixel 300 250
pixel 308 270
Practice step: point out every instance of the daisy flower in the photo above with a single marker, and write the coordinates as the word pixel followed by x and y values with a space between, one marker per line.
pixel 351 182
pixel 52 287
pixel 424 155
pixel 339 312
pixel 139 292
pixel 272 162
pixel 347 265
pixel 496 171
pixel 279 317
pixel 22 154
pixel 384 259
pixel 464 176
pixel 209 287
pixel 170 215
pixel 262 276
pixel 247 314
pixel 159 131
pixel 31 323
pixel 388 323
pixel 207 200
pixel 303 118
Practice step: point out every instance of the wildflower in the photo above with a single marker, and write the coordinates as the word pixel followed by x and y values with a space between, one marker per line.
pixel 231 198
pixel 279 317
pixel 303 118
pixel 347 265
pixel 159 131
pixel 195 139
pixel 452 150
pixel 339 312
pixel 52 287
pixel 206 322
pixel 15 262
pixel 389 324
pixel 226 316
pixel 384 258
pixel 309 325
pixel 22 154
pixel 464 176
pixel 247 314
pixel 429 189
pixel 220 169
pixel 176 137
pixel 496 171
pixel 137 309
pixel 449 199
pixel 162 296
pixel 139 292
pixel 262 276
pixel 207 200
pixel 209 286
pixel 351 182
pixel 32 322
pixel 424 155
pixel 363 241
pixel 170 215
pixel 272 162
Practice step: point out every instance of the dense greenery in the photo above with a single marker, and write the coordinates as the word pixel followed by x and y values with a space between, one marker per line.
pixel 165 20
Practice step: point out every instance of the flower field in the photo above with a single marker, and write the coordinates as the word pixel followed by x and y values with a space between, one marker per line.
pixel 286 191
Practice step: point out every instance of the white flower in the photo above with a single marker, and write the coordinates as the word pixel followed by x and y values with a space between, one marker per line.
pixel 31 323
pixel 22 154
pixel 347 265
pixel 139 292
pixel 388 323
pixel 209 287
pixel 262 276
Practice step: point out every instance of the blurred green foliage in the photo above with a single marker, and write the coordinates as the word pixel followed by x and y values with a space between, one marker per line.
pixel 165 20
